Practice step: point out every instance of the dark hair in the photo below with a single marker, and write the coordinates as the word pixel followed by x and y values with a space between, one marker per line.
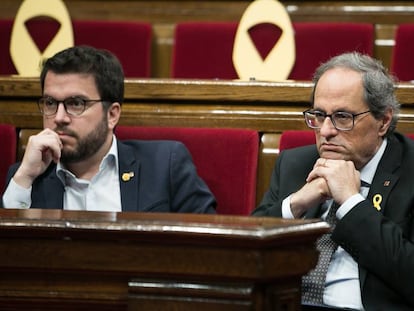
pixel 378 84
pixel 102 64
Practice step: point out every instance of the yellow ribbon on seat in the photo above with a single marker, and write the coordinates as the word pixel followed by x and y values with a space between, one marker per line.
pixel 24 52
pixel 280 60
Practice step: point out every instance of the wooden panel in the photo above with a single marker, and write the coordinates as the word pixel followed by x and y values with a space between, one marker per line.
pixel 65 260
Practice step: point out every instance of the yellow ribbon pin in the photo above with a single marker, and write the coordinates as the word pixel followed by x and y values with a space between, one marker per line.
pixel 376 200
pixel 127 176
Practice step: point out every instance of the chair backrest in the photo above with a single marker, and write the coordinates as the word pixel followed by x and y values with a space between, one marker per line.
pixel 318 42
pixel 226 159
pixel 203 50
pixel 296 138
pixel 402 64
pixel 130 41
pixel 8 144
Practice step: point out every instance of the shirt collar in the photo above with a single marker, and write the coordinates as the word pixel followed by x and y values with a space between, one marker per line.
pixel 368 171
pixel 109 160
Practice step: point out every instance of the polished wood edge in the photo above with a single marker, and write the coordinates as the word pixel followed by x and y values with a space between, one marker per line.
pixel 253 228
pixel 194 89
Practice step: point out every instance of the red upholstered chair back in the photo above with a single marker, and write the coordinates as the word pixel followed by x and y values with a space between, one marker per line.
pixel 296 138
pixel 129 41
pixel 8 147
pixel 226 159
pixel 203 50
pixel 402 64
pixel 317 42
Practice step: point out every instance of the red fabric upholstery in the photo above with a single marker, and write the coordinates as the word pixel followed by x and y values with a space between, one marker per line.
pixel 129 41
pixel 402 64
pixel 292 139
pixel 8 145
pixel 204 50
pixel 317 42
pixel 226 159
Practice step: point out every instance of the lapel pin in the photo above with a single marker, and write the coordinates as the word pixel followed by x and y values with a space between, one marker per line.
pixel 386 183
pixel 127 176
pixel 376 200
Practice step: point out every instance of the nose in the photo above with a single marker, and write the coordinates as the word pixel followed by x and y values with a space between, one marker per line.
pixel 61 114
pixel 328 129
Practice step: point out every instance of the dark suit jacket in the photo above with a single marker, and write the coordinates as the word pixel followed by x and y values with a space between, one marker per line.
pixel 165 180
pixel 381 242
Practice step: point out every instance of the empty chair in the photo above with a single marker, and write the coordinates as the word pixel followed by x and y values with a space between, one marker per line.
pixel 8 144
pixel 317 42
pixel 203 50
pixel 402 64
pixel 226 159
pixel 129 41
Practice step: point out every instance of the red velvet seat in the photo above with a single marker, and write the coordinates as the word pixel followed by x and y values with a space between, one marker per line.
pixel 203 50
pixel 296 138
pixel 129 41
pixel 226 159
pixel 402 64
pixel 8 146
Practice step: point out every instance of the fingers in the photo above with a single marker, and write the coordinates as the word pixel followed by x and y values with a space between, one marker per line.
pixel 41 150
pixel 341 177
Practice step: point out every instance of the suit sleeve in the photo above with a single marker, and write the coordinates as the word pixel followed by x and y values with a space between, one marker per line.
pixel 380 246
pixel 271 204
pixel 190 194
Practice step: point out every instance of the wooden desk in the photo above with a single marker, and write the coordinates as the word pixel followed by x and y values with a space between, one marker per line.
pixel 63 260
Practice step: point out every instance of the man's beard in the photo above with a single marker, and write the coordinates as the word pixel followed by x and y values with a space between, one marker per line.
pixel 87 146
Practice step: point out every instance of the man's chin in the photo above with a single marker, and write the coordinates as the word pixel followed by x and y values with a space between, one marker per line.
pixel 332 155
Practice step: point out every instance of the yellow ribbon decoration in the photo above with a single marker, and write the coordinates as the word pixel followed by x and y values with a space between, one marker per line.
pixel 24 52
pixel 376 200
pixel 247 60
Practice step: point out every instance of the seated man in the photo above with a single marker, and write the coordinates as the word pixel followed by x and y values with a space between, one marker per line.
pixel 76 162
pixel 358 177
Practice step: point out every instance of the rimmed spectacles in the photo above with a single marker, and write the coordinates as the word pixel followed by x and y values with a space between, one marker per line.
pixel 74 105
pixel 341 120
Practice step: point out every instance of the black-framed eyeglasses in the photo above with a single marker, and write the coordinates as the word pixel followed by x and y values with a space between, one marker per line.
pixel 341 120
pixel 74 105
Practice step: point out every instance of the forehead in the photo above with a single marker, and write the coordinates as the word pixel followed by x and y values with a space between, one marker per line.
pixel 339 89
pixel 69 84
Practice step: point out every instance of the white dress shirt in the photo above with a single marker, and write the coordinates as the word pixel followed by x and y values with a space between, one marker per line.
pixel 101 193
pixel 342 288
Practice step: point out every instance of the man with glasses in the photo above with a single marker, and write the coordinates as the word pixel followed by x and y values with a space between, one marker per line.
pixel 358 177
pixel 77 163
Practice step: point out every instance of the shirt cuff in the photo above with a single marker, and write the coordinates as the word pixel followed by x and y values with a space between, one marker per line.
pixel 348 205
pixel 286 211
pixel 17 196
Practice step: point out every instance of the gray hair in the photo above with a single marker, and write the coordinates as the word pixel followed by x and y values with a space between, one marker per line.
pixel 378 84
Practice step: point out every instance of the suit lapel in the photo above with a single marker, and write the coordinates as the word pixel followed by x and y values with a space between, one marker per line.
pixel 128 177
pixel 385 178
pixel 53 190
